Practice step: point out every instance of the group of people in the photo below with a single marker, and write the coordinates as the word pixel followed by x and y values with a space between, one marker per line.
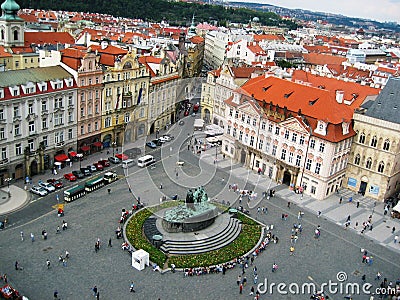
pixel 221 268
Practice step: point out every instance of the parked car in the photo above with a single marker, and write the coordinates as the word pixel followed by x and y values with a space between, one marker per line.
pixel 104 162
pixel 70 177
pixel 114 160
pixel 121 156
pixel 38 190
pixel 168 138
pixel 157 142
pixel 181 123
pixel 47 186
pixel 151 145
pixel 91 168
pixel 78 174
pixel 162 139
pixel 98 166
pixel 86 171
pixel 55 182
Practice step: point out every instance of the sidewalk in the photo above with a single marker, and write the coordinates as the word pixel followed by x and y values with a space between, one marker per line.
pixel 17 199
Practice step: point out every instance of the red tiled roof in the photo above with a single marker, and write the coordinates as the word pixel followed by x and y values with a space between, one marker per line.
pixel 30 18
pixel 111 50
pixel 19 50
pixel 268 37
pixel 323 59
pixel 40 38
pixel 242 72
pixel 256 49
pixel 4 53
pixel 197 39
pixel 72 57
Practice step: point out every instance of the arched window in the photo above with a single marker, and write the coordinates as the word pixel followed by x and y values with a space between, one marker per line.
pixel 2 34
pixel 357 159
pixel 15 35
pixel 369 163
pixel 381 167
pixel 361 140
pixel 374 141
pixel 386 145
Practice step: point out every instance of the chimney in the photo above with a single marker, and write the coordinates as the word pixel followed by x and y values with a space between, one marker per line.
pixel 339 96
pixel 104 45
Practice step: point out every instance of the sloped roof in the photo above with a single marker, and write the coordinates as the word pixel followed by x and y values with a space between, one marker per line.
pixel 72 57
pixel 322 59
pixel 196 39
pixel 256 49
pixel 4 53
pixel 242 72
pixel 40 38
pixel 268 37
pixel 387 105
pixel 18 77
pixel 350 89
pixel 297 96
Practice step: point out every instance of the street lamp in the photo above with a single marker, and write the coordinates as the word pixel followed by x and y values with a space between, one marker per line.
pixel 8 185
pixel 80 155
pixel 113 144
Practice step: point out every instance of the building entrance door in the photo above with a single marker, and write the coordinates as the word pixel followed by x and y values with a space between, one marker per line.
pixel 363 187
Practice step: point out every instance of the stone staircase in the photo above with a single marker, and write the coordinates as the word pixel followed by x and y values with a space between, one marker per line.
pixel 196 246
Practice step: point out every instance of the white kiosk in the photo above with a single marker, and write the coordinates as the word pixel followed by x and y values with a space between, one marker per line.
pixel 140 259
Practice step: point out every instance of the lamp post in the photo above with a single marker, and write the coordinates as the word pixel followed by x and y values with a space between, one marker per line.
pixel 80 155
pixel 8 185
pixel 113 144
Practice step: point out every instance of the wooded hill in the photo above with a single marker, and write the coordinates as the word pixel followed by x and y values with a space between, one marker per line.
pixel 175 13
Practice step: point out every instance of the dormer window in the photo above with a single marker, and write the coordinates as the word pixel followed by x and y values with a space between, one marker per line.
pixel 1 93
pixel 42 86
pixel 14 90
pixel 69 82
pixel 321 127
pixel 59 84
pixel 29 88
pixel 345 128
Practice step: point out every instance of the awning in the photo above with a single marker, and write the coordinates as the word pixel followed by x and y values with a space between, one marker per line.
pixel 97 144
pixel 61 157
pixel 85 148
pixel 73 153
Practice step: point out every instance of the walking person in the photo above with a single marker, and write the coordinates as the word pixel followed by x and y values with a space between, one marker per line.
pixel 288 204
pixel 94 289
pixel 358 204
pixel 132 288
pixel 48 264
pixel 393 230
pixel 109 243
pixel 32 237
pixel 22 236
pixel 340 200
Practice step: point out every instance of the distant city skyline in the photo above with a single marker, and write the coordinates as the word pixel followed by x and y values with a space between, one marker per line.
pixel 384 10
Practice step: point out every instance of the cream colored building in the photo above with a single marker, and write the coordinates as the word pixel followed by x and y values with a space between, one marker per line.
pixel 374 168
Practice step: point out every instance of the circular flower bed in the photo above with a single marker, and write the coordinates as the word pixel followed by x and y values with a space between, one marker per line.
pixel 247 239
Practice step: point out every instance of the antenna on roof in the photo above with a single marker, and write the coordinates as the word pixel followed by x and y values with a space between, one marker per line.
pixel 313 101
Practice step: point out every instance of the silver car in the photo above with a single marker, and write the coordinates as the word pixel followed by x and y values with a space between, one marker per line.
pixel 47 186
pixel 38 190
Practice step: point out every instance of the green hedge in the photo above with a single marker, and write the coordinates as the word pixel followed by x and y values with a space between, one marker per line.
pixel 247 239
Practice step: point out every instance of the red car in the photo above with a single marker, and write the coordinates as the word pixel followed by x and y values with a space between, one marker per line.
pixel 104 163
pixel 70 177
pixel 121 156
pixel 56 183
pixel 98 166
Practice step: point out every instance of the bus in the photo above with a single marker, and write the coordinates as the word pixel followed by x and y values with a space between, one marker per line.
pixel 74 193
pixel 110 177
pixel 145 161
pixel 94 184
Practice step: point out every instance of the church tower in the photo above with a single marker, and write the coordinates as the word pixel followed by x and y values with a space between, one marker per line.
pixel 11 26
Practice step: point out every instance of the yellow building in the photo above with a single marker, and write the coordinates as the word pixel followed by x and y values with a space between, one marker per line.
pixel 373 169
pixel 125 98
pixel 207 95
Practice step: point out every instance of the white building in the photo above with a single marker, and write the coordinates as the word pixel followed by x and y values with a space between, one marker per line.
pixel 37 119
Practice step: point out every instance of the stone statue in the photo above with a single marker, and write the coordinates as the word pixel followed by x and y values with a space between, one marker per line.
pixel 189 197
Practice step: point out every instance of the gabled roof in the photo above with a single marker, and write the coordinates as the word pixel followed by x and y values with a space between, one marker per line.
pixel 72 57
pixel 4 53
pixel 387 105
pixel 196 39
pixel 108 54
pixel 52 38
pixel 152 64
pixel 267 37
pixel 242 72
pixel 256 49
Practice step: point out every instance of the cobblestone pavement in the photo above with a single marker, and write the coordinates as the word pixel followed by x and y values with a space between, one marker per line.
pixel 95 216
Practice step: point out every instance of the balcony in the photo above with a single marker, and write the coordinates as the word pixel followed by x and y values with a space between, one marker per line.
pixel 3 161
pixel 60 144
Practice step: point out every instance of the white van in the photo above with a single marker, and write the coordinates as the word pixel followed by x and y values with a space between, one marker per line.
pixel 128 163
pixel 146 160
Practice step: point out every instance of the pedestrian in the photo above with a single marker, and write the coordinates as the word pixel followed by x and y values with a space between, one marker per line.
pixel 241 288
pixel 160 186
pixel 58 230
pixel 288 204
pixel 109 243
pixel 5 278
pixel 340 200
pixel 319 213
pixel 255 279
pixel 55 294
pixel 132 288
pixel 98 295
pixel 66 254
pixel 32 237
pixel 109 191
pixel 291 249
pixel 251 291
pixel 64 261
pixel 94 289
pixel 48 263
pixel 16 265
pixel 378 276
pixel 393 230
pixel 396 238
pixel 22 236
pixel 348 218
pixel 358 204
pixel 239 279
pixel 363 278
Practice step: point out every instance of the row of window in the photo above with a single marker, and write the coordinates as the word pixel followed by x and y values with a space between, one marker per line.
pixel 89 128
pixel 58 138
pixel 108 120
pixel 374 142
pixel 368 164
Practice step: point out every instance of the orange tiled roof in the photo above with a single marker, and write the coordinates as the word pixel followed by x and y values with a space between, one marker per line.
pixel 331 84
pixel 20 50
pixel 242 72
pixel 72 57
pixel 256 49
pixel 267 37
pixel 30 18
pixel 147 60
pixel 4 53
pixel 197 39
pixel 323 59
pixel 40 38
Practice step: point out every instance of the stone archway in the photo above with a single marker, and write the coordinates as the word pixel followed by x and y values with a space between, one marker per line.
pixel 34 168
pixel 207 115
pixel 287 176
pixel 242 156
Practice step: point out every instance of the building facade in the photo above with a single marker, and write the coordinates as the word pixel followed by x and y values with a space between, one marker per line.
pixel 374 168
pixel 38 120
